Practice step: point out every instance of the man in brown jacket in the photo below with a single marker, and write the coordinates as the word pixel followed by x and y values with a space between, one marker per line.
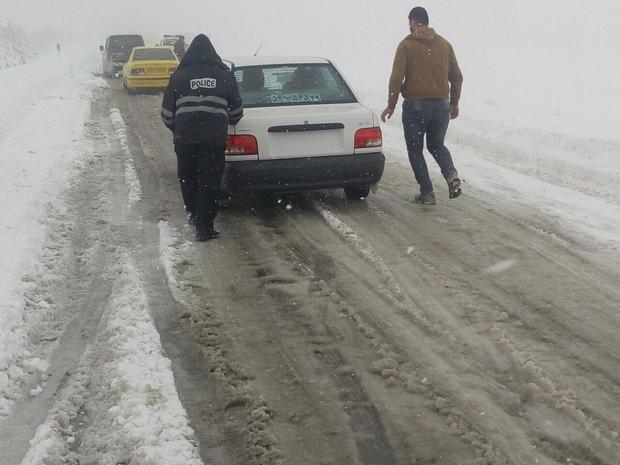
pixel 428 76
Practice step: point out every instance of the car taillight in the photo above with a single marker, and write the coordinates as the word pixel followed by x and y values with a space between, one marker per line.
pixel 368 137
pixel 171 71
pixel 242 145
pixel 138 72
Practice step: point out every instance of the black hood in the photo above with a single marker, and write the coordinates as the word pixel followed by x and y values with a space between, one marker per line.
pixel 202 52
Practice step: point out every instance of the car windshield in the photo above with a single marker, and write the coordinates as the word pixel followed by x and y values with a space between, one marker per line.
pixel 303 84
pixel 143 54
pixel 124 43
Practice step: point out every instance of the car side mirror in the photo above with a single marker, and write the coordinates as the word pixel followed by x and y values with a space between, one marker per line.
pixel 101 49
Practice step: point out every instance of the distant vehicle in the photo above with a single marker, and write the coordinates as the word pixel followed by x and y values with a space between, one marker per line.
pixel 169 40
pixel 149 68
pixel 116 52
pixel 303 129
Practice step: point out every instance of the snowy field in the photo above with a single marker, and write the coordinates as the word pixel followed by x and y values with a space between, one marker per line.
pixel 537 139
pixel 18 47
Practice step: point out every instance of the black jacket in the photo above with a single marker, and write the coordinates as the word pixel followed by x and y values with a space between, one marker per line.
pixel 202 97
pixel 179 48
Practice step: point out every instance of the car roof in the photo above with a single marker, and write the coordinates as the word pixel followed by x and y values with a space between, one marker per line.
pixel 274 60
pixel 143 47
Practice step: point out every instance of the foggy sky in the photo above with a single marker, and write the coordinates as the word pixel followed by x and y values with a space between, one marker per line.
pixel 527 43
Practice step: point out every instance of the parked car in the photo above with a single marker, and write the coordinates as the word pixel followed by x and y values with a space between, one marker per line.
pixel 149 68
pixel 116 52
pixel 303 129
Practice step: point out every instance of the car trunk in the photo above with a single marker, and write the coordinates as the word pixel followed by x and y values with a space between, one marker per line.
pixel 299 131
pixel 156 68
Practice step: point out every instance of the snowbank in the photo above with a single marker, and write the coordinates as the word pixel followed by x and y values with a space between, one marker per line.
pixel 131 177
pixel 42 141
pixel 126 386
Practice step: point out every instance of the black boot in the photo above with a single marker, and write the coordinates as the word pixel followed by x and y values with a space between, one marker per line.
pixel 206 233
pixel 454 185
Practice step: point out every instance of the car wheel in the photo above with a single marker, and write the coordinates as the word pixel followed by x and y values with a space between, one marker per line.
pixel 356 192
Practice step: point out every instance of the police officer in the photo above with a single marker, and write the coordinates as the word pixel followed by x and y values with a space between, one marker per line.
pixel 201 100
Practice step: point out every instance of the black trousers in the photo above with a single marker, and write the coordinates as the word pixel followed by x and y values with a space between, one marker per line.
pixel 200 170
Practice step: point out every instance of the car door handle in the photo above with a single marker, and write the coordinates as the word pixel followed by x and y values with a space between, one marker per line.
pixel 306 127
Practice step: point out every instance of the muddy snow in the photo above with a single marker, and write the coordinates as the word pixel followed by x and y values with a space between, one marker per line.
pixel 483 330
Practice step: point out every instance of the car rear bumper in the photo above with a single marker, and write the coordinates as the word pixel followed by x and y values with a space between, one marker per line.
pixel 112 67
pixel 147 82
pixel 301 174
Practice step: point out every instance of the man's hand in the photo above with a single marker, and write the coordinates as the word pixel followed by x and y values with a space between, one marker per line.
pixel 387 113
pixel 454 111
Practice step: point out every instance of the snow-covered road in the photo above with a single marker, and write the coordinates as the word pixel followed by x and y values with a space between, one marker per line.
pixel 42 144
pixel 480 331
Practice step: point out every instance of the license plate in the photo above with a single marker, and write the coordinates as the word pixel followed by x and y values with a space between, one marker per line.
pixel 295 98
pixel 156 70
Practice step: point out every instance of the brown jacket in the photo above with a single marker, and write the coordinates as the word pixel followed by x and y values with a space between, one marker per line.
pixel 425 67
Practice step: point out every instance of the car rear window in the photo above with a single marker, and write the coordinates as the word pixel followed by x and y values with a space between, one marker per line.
pixel 124 43
pixel 303 84
pixel 153 54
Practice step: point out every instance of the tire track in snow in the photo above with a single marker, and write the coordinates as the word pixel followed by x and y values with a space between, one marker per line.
pixel 413 376
pixel 203 389
pixel 74 254
pixel 394 367
pixel 123 390
pixel 111 395
pixel 131 177
pixel 533 381
pixel 541 387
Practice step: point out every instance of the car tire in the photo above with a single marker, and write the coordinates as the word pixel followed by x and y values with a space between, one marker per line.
pixel 356 192
pixel 127 89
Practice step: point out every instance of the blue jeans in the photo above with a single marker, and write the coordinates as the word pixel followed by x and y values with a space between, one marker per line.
pixel 430 117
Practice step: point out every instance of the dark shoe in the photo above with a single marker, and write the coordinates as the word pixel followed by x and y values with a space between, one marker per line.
pixel 454 186
pixel 428 198
pixel 206 234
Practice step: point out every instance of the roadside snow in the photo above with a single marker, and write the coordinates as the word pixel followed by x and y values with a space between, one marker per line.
pixel 570 185
pixel 131 177
pixel 167 241
pixel 170 246
pixel 42 141
pixel 124 391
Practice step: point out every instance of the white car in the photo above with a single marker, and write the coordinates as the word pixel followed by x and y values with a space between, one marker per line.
pixel 303 129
